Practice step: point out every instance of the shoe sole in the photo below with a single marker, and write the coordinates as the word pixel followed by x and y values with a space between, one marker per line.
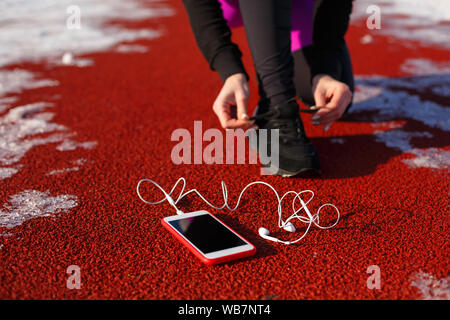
pixel 302 173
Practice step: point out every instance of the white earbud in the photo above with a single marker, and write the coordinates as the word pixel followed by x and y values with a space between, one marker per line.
pixel 264 233
pixel 289 227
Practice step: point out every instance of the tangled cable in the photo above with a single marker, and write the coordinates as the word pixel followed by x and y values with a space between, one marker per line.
pixel 309 219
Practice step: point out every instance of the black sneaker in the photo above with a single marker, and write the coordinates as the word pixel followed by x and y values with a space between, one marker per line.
pixel 297 155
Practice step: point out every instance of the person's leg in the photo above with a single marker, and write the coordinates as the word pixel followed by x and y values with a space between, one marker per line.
pixel 267 24
pixel 268 27
pixel 302 75
pixel 302 72
pixel 332 41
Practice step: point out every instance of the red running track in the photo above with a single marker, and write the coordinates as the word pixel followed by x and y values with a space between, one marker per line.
pixel 392 216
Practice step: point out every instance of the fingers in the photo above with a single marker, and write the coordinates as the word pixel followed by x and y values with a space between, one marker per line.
pixel 334 109
pixel 239 124
pixel 241 103
pixel 222 110
pixel 234 92
pixel 320 98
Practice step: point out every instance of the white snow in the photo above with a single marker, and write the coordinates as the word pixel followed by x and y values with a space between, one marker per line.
pixel 77 164
pixel 429 158
pixel 430 287
pixel 80 161
pixel 30 204
pixel 366 39
pixel 38 30
pixel 65 170
pixel 425 67
pixel 68 60
pixel 419 20
pixel 16 81
pixel 425 158
pixel 400 139
pixel 69 145
pixel 131 48
pixel 19 127
pixel 25 127
pixel 394 99
pixel 7 172
pixel 379 94
pixel 6 102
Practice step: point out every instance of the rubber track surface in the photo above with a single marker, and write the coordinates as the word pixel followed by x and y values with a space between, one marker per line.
pixel 393 216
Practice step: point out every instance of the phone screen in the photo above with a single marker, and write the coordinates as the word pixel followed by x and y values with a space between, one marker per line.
pixel 206 233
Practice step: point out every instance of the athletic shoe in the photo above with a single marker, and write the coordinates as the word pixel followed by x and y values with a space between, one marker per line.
pixel 297 155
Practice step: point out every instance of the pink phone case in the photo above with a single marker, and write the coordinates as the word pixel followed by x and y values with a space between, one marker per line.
pixel 199 255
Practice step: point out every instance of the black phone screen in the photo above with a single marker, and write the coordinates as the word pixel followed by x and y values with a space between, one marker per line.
pixel 206 233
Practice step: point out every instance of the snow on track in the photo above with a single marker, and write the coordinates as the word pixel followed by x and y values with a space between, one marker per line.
pixel 430 287
pixel 36 31
pixel 30 204
pixel 424 21
pixel 400 98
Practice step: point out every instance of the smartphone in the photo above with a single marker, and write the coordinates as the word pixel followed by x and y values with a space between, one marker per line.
pixel 208 238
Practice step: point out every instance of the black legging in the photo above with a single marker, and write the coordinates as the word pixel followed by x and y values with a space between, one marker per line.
pixel 268 32
pixel 329 53
pixel 268 26
pixel 302 73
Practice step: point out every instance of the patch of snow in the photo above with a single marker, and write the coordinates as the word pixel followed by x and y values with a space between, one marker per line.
pixel 430 287
pixel 387 125
pixel 366 39
pixel 365 92
pixel 131 48
pixel 69 145
pixel 7 172
pixel 429 158
pixel 392 99
pixel 386 97
pixel 19 126
pixel 417 20
pixel 60 171
pixel 25 127
pixel 80 161
pixel 442 90
pixel 68 60
pixel 15 81
pixel 6 102
pixel 425 67
pixel 30 204
pixel 42 30
pixel 400 139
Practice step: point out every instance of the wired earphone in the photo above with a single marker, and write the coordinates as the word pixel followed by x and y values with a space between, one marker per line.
pixel 309 219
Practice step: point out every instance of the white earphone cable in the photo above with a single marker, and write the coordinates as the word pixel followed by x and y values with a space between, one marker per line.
pixel 308 219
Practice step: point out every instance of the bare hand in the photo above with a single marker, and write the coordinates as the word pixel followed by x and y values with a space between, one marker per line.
pixel 332 98
pixel 234 92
